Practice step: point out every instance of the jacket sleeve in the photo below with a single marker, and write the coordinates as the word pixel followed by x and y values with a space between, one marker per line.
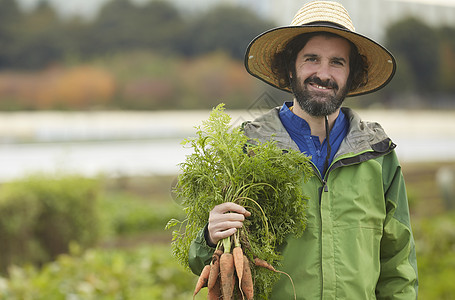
pixel 200 253
pixel 398 278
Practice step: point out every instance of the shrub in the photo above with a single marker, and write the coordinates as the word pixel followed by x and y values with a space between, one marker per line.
pixel 128 214
pixel 435 245
pixel 19 213
pixel 40 215
pixel 145 273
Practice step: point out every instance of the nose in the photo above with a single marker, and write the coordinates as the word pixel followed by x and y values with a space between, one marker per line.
pixel 323 72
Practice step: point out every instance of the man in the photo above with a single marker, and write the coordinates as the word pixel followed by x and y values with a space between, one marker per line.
pixel 358 242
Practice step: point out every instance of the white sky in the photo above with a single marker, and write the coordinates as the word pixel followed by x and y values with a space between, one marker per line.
pixel 73 7
pixel 89 7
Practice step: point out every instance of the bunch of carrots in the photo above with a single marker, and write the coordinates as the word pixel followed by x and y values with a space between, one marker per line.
pixel 229 273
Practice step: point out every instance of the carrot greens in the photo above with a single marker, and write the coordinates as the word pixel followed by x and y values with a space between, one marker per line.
pixel 227 166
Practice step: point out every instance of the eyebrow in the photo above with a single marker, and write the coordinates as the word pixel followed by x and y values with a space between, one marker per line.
pixel 310 55
pixel 336 58
pixel 339 59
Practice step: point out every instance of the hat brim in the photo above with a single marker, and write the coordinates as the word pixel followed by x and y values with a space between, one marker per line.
pixel 262 49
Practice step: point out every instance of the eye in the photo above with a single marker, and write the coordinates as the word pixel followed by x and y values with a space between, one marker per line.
pixel 311 59
pixel 338 62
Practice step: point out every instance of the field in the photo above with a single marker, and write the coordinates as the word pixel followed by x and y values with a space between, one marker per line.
pixel 134 261
pixel 430 219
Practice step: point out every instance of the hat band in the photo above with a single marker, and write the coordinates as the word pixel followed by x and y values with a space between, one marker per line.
pixel 325 23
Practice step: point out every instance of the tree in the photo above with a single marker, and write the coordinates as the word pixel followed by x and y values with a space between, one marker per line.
pixel 10 16
pixel 417 44
pixel 37 39
pixel 223 28
pixel 447 68
pixel 122 25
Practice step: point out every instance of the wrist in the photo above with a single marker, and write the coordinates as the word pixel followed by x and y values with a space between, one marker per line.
pixel 207 237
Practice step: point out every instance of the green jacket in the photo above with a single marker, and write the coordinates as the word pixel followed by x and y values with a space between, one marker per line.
pixel 358 243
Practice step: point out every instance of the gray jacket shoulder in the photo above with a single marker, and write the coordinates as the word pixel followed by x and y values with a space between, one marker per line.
pixel 269 127
pixel 362 135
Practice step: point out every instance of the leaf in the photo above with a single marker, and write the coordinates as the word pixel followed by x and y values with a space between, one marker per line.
pixel 171 223
pixel 268 183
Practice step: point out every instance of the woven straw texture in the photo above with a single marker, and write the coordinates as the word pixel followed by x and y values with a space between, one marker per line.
pixel 258 58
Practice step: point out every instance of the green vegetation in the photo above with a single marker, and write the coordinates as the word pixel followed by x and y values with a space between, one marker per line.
pixel 226 167
pixel 131 261
pixel 36 39
pixel 102 274
pixel 40 216
pixel 130 214
pixel 435 244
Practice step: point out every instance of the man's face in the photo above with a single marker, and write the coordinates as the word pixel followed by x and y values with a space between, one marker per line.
pixel 322 69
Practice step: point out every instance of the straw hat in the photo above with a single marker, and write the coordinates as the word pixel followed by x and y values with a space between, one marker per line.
pixel 259 54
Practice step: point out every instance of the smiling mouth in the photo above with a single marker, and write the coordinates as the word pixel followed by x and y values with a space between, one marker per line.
pixel 324 86
pixel 320 87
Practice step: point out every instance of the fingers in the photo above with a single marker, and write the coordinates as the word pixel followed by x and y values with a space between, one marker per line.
pixel 216 236
pixel 224 220
pixel 232 207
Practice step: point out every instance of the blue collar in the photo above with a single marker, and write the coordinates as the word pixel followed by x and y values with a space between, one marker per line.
pixel 300 132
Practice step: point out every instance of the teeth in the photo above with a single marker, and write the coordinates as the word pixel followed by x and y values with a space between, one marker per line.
pixel 321 87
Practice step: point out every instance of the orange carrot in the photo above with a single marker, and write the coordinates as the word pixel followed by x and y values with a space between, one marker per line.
pixel 215 292
pixel 247 280
pixel 202 281
pixel 227 275
pixel 237 253
pixel 262 263
pixel 215 269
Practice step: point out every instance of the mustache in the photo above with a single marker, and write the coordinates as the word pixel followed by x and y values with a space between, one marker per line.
pixel 326 83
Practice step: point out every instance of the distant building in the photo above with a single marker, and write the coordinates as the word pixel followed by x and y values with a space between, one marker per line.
pixel 370 17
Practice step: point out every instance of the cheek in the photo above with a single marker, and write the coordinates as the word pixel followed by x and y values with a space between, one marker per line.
pixel 304 73
pixel 341 76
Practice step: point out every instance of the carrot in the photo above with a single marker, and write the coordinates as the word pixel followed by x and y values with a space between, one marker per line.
pixel 202 281
pixel 227 274
pixel 215 269
pixel 237 253
pixel 215 292
pixel 262 263
pixel 247 280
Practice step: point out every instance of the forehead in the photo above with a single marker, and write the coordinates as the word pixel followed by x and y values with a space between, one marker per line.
pixel 328 46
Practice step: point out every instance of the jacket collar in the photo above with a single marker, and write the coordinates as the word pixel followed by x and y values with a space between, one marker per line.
pixel 362 136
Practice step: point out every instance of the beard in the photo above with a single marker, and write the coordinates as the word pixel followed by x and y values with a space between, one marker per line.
pixel 318 104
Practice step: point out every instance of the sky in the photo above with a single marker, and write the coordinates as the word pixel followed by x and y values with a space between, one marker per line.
pixel 69 7
pixel 89 8
pixel 86 8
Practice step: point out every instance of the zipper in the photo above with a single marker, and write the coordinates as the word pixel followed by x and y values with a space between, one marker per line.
pixel 348 161
pixel 325 187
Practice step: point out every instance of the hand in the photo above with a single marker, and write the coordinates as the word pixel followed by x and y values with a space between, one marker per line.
pixel 224 220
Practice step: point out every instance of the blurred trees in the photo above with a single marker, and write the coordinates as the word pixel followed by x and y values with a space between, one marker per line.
pixel 40 38
pixel 425 57
pixel 174 44
pixel 418 45
pixel 447 67
pixel 223 28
